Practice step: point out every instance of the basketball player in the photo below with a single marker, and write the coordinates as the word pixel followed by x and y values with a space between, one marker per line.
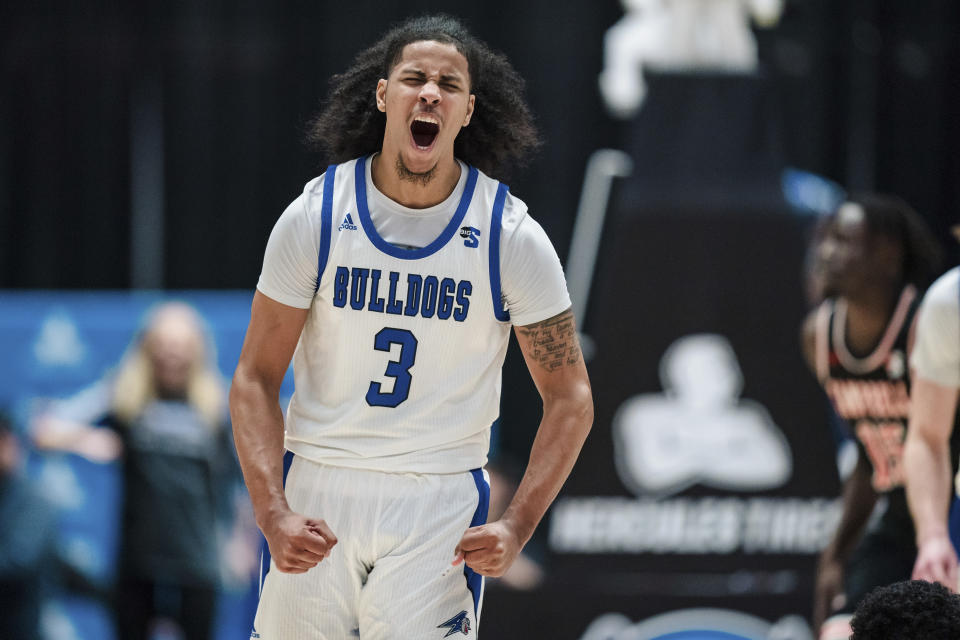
pixel 928 458
pixel 875 256
pixel 393 281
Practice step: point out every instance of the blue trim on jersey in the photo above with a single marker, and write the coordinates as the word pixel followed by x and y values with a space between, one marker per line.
pixel 474 579
pixel 953 523
pixel 399 252
pixel 701 634
pixel 326 224
pixel 502 314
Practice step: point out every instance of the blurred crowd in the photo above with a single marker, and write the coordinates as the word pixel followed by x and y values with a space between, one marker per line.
pixel 185 530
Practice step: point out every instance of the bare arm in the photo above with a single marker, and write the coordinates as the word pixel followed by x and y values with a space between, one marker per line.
pixel 254 407
pixel 928 471
pixel 808 341
pixel 859 499
pixel 98 444
pixel 552 353
pixel 296 543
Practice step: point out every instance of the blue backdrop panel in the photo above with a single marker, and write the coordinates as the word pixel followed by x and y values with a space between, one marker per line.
pixel 55 344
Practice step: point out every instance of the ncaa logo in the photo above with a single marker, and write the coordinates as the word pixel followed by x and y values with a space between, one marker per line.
pixel 471 236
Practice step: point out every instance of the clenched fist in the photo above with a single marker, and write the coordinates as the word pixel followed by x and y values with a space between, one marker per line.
pixel 489 549
pixel 297 543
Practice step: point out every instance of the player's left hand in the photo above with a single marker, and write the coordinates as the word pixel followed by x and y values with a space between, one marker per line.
pixel 937 562
pixel 489 549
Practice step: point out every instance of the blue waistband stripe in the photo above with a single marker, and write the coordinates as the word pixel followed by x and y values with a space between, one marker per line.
pixel 474 579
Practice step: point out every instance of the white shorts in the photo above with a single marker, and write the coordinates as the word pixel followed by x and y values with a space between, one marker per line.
pixel 384 579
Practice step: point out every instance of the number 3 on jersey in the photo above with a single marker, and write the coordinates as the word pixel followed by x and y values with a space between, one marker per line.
pixel 399 369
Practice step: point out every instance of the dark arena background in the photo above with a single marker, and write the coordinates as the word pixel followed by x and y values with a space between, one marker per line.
pixel 147 148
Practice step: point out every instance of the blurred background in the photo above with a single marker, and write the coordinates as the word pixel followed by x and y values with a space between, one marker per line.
pixel 147 148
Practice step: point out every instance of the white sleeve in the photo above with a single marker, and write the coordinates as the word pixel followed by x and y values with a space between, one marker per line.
pixel 289 272
pixel 533 284
pixel 936 351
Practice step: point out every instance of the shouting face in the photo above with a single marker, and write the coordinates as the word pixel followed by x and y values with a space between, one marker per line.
pixel 427 101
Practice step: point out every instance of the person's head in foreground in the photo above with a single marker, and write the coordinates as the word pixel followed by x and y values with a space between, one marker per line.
pixel 908 610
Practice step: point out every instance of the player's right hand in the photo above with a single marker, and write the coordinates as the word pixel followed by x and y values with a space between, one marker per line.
pixel 936 562
pixel 297 543
pixel 828 595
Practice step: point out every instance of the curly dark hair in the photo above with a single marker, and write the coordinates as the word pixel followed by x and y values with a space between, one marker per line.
pixel 908 610
pixel 501 133
pixel 891 217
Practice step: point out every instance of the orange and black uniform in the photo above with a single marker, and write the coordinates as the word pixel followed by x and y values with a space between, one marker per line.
pixel 871 393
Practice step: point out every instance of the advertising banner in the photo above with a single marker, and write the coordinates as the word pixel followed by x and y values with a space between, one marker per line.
pixel 708 484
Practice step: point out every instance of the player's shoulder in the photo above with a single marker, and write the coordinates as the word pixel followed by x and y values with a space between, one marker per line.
pixel 314 187
pixel 945 290
pixel 514 213
pixel 808 337
pixel 809 326
pixel 310 200
pixel 514 209
pixel 814 328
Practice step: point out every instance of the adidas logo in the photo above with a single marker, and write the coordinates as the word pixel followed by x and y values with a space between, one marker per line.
pixel 347 223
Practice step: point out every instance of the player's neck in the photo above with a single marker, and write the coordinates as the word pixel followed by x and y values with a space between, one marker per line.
pixel 876 298
pixel 868 315
pixel 411 190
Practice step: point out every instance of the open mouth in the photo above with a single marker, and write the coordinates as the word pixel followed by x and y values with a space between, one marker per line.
pixel 424 133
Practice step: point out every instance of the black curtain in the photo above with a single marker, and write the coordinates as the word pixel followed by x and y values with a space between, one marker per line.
pixel 236 83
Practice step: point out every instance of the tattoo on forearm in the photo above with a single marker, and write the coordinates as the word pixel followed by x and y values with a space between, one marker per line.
pixel 553 342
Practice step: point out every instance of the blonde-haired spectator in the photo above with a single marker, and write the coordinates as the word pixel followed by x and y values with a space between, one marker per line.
pixel 163 412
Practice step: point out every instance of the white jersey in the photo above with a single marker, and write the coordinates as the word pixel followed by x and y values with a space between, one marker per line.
pixel 936 352
pixel 398 366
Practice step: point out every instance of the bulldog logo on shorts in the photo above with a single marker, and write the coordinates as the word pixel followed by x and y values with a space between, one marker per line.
pixel 459 622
